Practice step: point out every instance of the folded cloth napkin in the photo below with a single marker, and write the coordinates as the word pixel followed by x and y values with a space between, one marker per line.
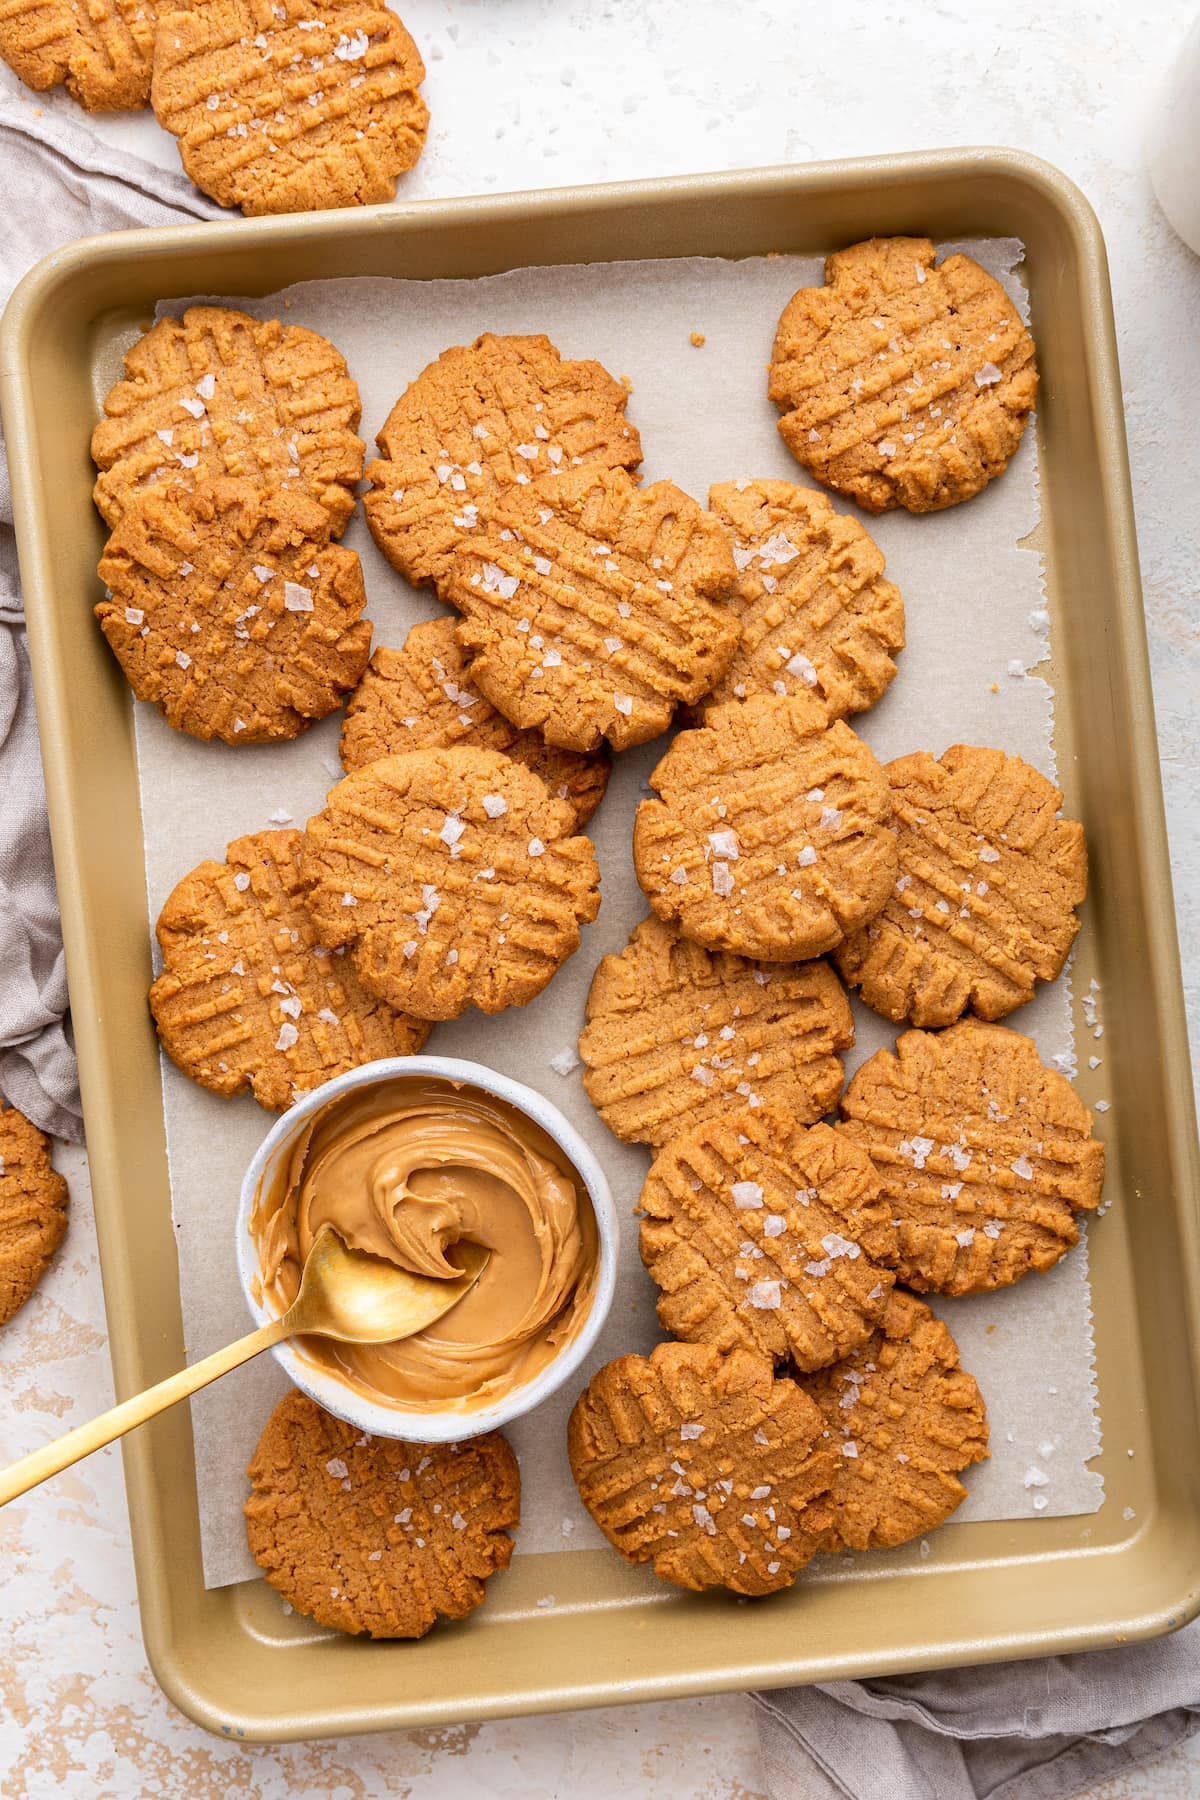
pixel 59 183
pixel 1019 1731
pixel 1041 1730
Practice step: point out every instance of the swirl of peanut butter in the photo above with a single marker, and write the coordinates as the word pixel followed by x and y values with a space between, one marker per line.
pixel 405 1170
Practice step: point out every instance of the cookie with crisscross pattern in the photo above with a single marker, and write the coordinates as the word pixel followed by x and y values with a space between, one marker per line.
pixel 248 997
pixel 33 1209
pixel 420 697
pixel 772 835
pixel 454 878
pixel 906 1421
pixel 984 904
pixel 592 607
pixel 375 1535
pixel 483 418
pixel 986 1156
pixel 760 1233
pixel 220 393
pixel 229 609
pixel 100 50
pixel 816 615
pixel 677 1033
pixel 290 105
pixel 903 381
pixel 704 1464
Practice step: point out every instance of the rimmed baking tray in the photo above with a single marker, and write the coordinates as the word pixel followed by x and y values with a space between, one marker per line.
pixel 229 1657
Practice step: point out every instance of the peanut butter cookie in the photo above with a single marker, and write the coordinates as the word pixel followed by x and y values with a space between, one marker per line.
pixel 219 393
pixel 454 878
pixel 420 698
pixel 100 50
pixel 483 418
pixel 591 606
pixel 762 1234
pixel 231 611
pixel 902 381
pixel 984 905
pixel 677 1034
pixel 33 1209
pixel 248 997
pixel 291 105
pixel 985 1155
pixel 704 1464
pixel 817 617
pixel 907 1420
pixel 375 1535
pixel 772 836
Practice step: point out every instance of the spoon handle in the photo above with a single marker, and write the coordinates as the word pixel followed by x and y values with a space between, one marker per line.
pixel 39 1465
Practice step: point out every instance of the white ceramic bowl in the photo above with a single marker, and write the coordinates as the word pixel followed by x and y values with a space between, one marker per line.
pixel 453 1423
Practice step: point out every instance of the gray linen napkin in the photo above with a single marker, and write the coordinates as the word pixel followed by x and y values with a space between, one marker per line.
pixel 1040 1730
pixel 1019 1731
pixel 59 185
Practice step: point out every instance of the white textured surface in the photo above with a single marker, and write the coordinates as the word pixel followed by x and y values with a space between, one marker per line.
pixel 526 93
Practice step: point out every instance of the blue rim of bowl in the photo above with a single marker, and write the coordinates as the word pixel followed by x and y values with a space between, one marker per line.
pixel 337 1397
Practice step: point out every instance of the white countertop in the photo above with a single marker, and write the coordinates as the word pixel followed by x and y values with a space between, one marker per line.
pixel 530 93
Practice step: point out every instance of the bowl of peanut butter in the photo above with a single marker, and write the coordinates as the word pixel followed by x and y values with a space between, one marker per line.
pixel 406 1158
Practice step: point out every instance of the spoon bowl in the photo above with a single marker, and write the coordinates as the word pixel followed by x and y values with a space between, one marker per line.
pixel 363 1299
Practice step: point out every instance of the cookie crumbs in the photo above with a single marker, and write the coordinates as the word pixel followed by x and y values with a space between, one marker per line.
pixel 697 338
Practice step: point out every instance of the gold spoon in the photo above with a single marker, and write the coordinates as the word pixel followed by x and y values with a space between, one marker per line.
pixel 344 1293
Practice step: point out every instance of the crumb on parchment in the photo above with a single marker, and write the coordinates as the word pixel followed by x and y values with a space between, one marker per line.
pixel 697 338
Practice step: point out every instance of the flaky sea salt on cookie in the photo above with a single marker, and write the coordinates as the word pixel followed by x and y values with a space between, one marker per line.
pixel 483 418
pixel 454 878
pixel 984 905
pixel 816 615
pixel 906 1421
pixel 220 393
pixel 760 1233
pixel 986 1156
pixel 677 1033
pixel 229 609
pixel 248 997
pixel 290 105
pixel 420 697
pixel 703 1464
pixel 372 1535
pixel 903 381
pixel 592 607
pixel 772 834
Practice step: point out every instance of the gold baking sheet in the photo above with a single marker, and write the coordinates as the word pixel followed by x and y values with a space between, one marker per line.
pixel 230 1657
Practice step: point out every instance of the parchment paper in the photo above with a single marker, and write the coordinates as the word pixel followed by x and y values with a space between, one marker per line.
pixel 977 622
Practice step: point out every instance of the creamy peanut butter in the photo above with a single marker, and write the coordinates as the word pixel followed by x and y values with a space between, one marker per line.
pixel 404 1170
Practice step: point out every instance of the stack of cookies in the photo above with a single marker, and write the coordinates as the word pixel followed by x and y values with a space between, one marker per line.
pixel 810 1400
pixel 276 105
